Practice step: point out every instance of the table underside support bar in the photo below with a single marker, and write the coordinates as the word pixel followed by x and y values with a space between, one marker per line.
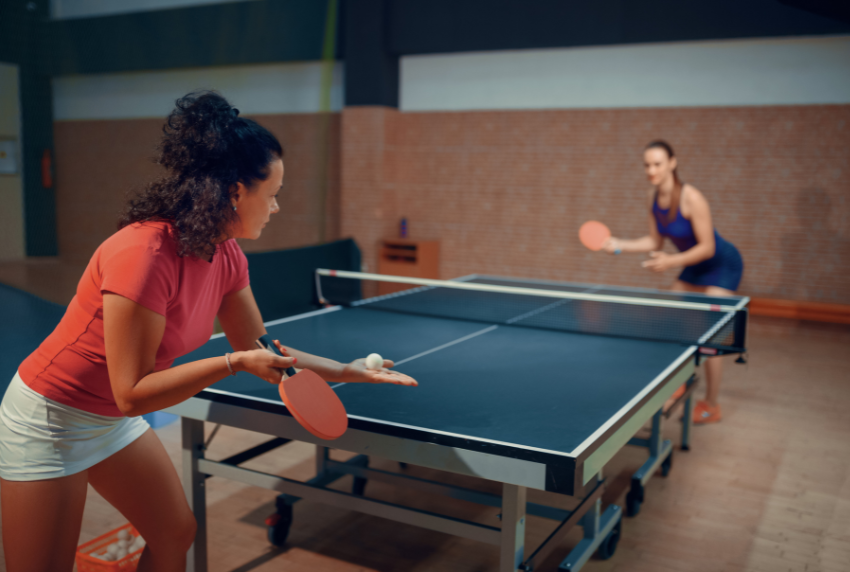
pixel 298 490
pixel 510 537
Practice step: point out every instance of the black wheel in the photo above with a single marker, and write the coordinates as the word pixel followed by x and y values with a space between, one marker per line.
pixel 667 464
pixel 402 465
pixel 359 486
pixel 609 545
pixel 634 498
pixel 279 524
pixel 632 504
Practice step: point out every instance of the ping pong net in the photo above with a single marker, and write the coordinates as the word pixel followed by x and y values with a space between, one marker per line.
pixel 598 310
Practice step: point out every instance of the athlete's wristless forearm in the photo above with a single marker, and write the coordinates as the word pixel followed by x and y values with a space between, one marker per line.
pixel 642 244
pixel 327 369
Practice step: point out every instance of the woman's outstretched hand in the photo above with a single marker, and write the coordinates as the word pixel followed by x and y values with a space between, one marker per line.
pixel 357 372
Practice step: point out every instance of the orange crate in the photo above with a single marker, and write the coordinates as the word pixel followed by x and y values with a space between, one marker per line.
pixel 88 563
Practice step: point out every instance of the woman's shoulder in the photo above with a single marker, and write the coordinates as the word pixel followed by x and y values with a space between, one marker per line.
pixel 154 236
pixel 231 248
pixel 692 198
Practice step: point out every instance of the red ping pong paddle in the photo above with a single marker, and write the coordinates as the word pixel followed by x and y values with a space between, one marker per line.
pixel 310 399
pixel 593 234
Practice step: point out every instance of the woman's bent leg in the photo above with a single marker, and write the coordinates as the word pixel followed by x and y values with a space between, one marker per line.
pixel 41 522
pixel 140 481
pixel 713 366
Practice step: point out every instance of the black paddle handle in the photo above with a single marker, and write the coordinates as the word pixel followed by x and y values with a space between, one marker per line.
pixel 266 342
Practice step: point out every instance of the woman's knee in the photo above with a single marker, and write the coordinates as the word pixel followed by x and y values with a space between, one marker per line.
pixel 186 527
pixel 188 531
pixel 177 534
pixel 680 286
pixel 718 291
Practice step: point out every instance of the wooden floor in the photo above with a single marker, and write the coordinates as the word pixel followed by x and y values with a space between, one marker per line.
pixel 768 489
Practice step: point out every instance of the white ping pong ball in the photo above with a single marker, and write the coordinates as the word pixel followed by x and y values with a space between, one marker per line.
pixel 374 361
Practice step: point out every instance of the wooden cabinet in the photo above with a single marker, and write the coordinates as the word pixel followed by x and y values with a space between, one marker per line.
pixel 406 257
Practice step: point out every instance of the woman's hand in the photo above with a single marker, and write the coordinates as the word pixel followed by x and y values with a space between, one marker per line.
pixel 263 363
pixel 357 372
pixel 659 261
pixel 612 246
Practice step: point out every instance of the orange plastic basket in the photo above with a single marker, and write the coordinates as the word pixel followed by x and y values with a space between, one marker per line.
pixel 88 563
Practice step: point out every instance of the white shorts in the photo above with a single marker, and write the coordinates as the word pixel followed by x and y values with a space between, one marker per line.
pixel 42 439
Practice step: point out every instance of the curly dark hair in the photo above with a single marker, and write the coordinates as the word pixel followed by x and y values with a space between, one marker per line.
pixel 206 148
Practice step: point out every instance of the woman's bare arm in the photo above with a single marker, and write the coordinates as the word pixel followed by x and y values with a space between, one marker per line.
pixel 242 323
pixel 648 243
pixel 132 335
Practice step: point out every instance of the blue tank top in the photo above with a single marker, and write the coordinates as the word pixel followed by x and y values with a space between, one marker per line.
pixel 724 269
pixel 679 231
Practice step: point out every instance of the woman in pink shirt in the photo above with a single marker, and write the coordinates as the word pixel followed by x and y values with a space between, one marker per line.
pixel 71 416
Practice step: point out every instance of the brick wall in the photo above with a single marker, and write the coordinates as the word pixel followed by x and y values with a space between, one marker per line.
pixel 98 162
pixel 506 191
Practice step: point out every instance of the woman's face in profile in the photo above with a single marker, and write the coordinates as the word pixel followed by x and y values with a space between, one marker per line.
pixel 254 206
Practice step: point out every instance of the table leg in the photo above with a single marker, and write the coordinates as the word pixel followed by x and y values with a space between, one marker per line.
pixel 687 422
pixel 601 532
pixel 513 528
pixel 193 486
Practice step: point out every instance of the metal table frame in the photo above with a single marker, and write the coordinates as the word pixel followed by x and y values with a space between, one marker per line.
pixel 577 474
pixel 516 475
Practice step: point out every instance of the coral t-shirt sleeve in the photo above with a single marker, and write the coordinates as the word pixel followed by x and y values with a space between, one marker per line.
pixel 141 273
pixel 238 265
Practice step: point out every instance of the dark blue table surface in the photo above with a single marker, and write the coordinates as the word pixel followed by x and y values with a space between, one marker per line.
pixel 523 386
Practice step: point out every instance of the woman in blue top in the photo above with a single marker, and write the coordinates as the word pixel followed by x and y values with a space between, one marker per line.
pixel 713 266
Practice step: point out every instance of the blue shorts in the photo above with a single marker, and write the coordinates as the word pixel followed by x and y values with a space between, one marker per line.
pixel 724 269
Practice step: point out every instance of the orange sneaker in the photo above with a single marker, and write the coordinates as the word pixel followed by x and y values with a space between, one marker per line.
pixel 705 413
pixel 678 393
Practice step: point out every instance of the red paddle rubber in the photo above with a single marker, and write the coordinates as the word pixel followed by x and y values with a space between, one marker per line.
pixel 314 405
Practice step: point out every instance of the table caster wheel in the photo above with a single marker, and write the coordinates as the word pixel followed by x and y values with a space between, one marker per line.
pixel 609 545
pixel 359 486
pixel 634 498
pixel 278 525
pixel 667 464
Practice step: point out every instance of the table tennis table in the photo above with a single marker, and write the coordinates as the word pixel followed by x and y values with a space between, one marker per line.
pixel 530 391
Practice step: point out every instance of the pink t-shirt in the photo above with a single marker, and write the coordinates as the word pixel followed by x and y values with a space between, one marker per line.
pixel 138 262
